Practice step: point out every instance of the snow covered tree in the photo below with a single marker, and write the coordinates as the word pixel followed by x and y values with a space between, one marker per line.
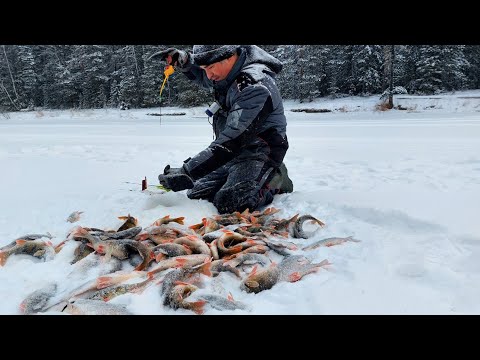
pixel 472 71
pixel 183 92
pixel 92 76
pixel 152 78
pixel 454 66
pixel 126 75
pixel 8 80
pixel 428 78
pixel 340 70
pixel 287 79
pixel 311 73
pixel 27 80
pixel 367 61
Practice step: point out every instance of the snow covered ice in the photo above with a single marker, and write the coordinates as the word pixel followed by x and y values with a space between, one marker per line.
pixel 404 183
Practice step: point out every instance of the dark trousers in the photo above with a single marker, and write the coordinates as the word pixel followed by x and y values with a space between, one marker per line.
pixel 236 186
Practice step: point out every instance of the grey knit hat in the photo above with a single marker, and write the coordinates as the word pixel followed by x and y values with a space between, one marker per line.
pixel 209 54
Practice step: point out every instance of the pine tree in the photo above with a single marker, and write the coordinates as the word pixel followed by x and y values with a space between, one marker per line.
pixel 8 80
pixel 287 79
pixel 125 75
pixel 186 93
pixel 26 76
pixel 367 61
pixel 454 66
pixel 472 71
pixel 400 67
pixel 152 77
pixel 312 63
pixel 340 70
pixel 428 70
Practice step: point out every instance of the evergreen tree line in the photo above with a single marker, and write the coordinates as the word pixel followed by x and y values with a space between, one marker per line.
pixel 98 76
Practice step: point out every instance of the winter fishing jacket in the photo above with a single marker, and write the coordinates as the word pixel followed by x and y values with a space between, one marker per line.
pixel 250 123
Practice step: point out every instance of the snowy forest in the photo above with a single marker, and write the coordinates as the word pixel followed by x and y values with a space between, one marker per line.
pixel 99 76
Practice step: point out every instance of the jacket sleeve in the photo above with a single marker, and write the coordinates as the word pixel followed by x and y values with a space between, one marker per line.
pixel 252 105
pixel 195 73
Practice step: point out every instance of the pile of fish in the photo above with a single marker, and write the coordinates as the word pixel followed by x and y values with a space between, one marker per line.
pixel 175 257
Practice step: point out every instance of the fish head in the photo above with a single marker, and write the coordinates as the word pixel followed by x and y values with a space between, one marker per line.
pixel 250 286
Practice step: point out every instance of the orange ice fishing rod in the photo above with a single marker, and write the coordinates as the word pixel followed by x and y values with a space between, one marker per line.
pixel 169 70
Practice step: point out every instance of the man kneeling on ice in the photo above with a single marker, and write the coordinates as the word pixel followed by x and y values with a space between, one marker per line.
pixel 243 167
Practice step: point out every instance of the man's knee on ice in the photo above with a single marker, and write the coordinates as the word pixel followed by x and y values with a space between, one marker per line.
pixel 201 192
pixel 239 197
pixel 204 189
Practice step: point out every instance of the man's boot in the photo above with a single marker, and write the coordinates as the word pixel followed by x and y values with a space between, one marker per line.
pixel 281 180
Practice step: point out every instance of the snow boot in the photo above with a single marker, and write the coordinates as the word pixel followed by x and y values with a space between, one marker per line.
pixel 281 181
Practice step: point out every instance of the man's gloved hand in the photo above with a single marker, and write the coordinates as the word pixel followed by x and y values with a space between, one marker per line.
pixel 172 56
pixel 175 179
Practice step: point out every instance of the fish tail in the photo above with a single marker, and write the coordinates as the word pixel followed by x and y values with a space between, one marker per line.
pixel 160 257
pixel 350 238
pixel 22 307
pixel 206 269
pixel 179 220
pixel 141 267
pixel 323 263
pixel 59 246
pixel 197 307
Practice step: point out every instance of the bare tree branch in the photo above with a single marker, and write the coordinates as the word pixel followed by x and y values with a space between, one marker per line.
pixel 11 75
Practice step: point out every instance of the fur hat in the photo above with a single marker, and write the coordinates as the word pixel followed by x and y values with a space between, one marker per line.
pixel 209 54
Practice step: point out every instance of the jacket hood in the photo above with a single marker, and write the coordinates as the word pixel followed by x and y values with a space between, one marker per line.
pixel 256 55
pixel 208 54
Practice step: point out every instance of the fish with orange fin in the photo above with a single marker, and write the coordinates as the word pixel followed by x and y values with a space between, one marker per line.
pixel 225 242
pixel 209 237
pixel 263 217
pixel 28 237
pixel 186 261
pixel 221 303
pixel 36 248
pixel 297 228
pixel 74 216
pixel 291 269
pixel 330 242
pixel 197 245
pixel 256 249
pixel 117 278
pixel 214 249
pixel 177 298
pixel 166 219
pixel 108 293
pixel 214 268
pixel 229 219
pixel 177 285
pixel 283 224
pixel 199 228
pixel 248 259
pixel 130 222
pixel 81 251
pixel 130 233
pixel 95 307
pixel 161 234
pixel 163 251
pixel 210 225
pixel 174 278
pixel 122 248
pixel 37 300
pixel 60 246
pixel 281 247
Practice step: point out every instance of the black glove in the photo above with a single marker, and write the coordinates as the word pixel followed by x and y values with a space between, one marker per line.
pixel 175 179
pixel 179 57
